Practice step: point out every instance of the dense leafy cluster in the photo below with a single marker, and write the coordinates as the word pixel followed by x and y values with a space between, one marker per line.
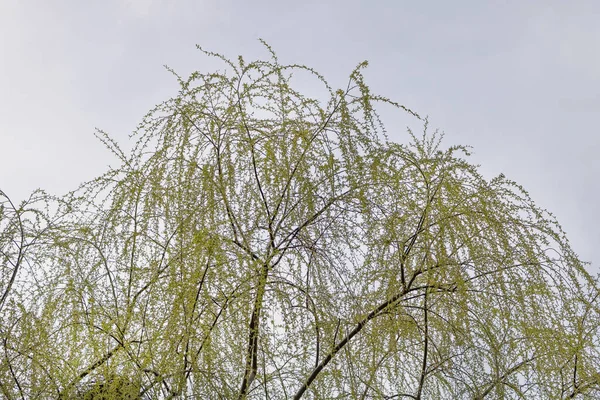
pixel 258 243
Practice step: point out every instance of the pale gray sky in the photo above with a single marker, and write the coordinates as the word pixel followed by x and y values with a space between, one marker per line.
pixel 518 80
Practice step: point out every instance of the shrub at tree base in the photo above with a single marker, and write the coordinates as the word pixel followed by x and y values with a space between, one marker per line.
pixel 260 244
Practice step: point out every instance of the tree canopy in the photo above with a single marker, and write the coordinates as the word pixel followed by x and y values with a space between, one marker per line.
pixel 258 243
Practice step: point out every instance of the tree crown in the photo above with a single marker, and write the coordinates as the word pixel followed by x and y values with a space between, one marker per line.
pixel 260 243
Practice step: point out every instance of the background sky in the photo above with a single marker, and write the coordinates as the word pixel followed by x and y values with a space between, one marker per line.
pixel 517 80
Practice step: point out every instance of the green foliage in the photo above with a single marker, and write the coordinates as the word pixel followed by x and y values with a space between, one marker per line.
pixel 259 243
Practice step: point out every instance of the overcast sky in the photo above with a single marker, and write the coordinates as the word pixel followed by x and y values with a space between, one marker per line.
pixel 517 80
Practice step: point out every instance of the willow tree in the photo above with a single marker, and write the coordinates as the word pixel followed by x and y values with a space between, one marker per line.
pixel 258 243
